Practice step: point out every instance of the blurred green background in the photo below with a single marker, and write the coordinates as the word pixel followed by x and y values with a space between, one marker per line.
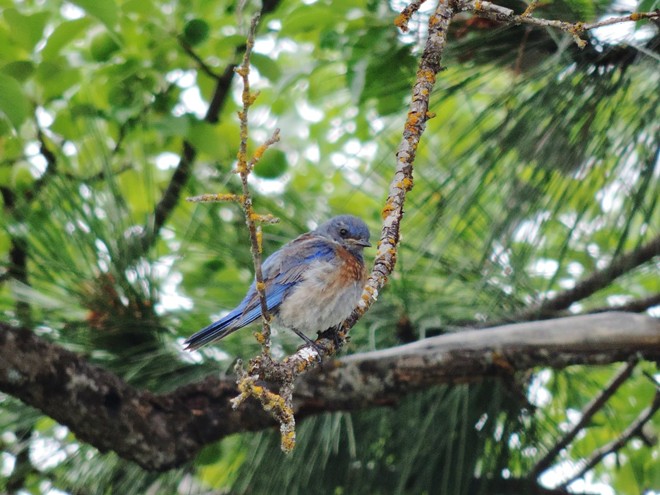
pixel 540 167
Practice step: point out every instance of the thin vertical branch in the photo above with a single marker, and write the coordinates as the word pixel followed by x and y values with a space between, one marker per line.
pixel 402 181
pixel 244 168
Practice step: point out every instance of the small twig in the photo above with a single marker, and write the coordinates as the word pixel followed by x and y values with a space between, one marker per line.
pixel 594 282
pixel 634 430
pixel 634 306
pixel 204 67
pixel 215 198
pixel 403 18
pixel 503 14
pixel 588 412
pixel 635 16
pixel 530 8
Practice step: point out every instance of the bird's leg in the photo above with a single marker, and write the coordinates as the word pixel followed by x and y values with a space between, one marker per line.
pixel 335 338
pixel 310 342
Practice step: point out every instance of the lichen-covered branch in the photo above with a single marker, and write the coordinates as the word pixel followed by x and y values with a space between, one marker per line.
pixel 329 342
pixel 160 432
pixel 262 367
pixel 243 168
pixel 402 181
pixel 505 15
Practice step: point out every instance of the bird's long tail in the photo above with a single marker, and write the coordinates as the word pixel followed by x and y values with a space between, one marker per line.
pixel 215 331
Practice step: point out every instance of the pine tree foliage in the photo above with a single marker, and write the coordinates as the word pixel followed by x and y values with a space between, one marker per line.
pixel 540 168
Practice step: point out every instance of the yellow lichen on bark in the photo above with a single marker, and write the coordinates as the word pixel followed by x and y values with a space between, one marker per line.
pixel 386 210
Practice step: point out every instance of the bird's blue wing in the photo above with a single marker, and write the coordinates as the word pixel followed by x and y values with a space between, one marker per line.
pixel 281 272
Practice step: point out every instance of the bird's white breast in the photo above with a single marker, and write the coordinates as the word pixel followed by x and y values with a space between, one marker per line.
pixel 323 299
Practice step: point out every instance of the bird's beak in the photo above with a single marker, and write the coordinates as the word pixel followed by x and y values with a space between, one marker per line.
pixel 360 242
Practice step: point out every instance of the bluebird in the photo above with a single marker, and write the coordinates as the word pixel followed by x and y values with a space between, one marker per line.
pixel 312 283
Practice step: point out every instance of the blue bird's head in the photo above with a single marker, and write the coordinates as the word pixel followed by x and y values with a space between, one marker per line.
pixel 349 231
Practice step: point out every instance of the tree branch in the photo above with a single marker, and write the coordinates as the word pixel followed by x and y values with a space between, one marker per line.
pixel 594 282
pixel 503 14
pixel 159 432
pixel 632 431
pixel 402 181
pixel 634 306
pixel 183 170
pixel 587 413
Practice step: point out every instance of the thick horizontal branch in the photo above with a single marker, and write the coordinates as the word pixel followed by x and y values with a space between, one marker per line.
pixel 365 379
pixel 159 432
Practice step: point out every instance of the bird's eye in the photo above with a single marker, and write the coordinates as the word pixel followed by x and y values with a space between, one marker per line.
pixel 343 232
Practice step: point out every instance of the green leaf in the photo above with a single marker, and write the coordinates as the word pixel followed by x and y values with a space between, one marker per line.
pixel 648 5
pixel 103 46
pixel 206 138
pixel 169 125
pixel 19 70
pixel 196 31
pixel 266 66
pixel 272 164
pixel 26 29
pixel 105 11
pixel 310 18
pixel 13 103
pixel 62 35
pixel 56 78
pixel 142 7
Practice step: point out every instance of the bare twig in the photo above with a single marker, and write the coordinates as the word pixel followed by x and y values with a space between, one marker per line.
pixel 506 15
pixel 530 8
pixel 635 429
pixel 403 18
pixel 204 67
pixel 594 282
pixel 587 413
pixel 634 306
